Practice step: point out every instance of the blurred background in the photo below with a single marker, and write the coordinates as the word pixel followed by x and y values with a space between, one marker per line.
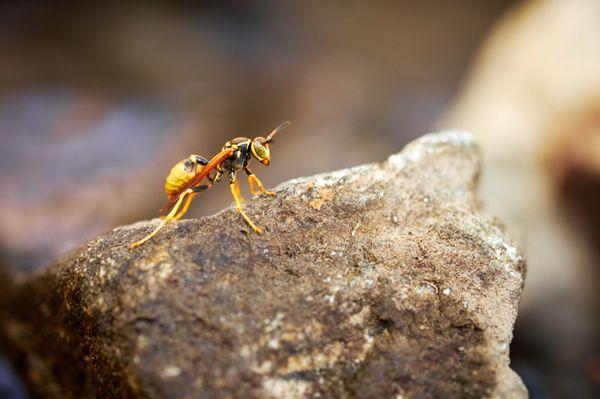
pixel 98 100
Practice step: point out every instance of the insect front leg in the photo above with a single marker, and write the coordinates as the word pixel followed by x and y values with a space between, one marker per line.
pixel 255 182
pixel 217 178
pixel 238 202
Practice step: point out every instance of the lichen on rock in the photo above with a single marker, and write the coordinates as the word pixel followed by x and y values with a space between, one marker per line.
pixel 377 281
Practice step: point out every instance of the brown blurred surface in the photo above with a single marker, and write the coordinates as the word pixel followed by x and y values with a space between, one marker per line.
pixel 532 99
pixel 98 100
pixel 397 287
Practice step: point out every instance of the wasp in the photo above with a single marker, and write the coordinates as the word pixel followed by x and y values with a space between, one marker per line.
pixel 194 174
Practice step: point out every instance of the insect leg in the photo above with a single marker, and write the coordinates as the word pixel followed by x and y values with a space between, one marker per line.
pixel 238 192
pixel 255 182
pixel 166 219
pixel 188 201
pixel 216 179
pixel 185 207
pixel 238 203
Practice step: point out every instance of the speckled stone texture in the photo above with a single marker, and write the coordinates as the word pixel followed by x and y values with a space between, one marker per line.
pixel 372 282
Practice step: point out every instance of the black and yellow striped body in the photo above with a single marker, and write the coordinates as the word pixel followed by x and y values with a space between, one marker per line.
pixel 181 173
pixel 186 177
pixel 240 157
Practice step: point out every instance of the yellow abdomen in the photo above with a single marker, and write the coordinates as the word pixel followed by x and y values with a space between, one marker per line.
pixel 180 174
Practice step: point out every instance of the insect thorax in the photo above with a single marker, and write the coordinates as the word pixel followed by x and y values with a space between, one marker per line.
pixel 240 157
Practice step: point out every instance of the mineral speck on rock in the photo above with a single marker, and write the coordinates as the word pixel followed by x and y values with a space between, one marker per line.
pixel 379 281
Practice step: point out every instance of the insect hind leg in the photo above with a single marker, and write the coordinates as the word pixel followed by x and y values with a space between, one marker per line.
pixel 188 201
pixel 166 219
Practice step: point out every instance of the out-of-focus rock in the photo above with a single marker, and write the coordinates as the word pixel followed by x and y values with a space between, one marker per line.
pixel 378 281
pixel 72 166
pixel 572 158
pixel 97 101
pixel 533 99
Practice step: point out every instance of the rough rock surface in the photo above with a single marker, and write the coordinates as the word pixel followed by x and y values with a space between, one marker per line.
pixel 538 124
pixel 377 281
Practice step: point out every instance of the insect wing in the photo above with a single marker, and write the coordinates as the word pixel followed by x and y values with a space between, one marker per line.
pixel 194 181
pixel 212 164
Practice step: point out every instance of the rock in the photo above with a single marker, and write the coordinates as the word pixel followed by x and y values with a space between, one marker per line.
pixel 58 153
pixel 97 122
pixel 378 281
pixel 537 123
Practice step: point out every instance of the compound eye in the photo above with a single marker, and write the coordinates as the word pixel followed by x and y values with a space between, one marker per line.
pixel 259 150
